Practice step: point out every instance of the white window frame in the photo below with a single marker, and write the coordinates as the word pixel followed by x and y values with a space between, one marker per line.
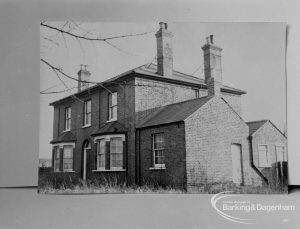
pixel 155 150
pixel 108 138
pixel 98 153
pixel 87 113
pixel 284 151
pixel 68 158
pixel 59 146
pixel 261 163
pixel 111 154
pixel 112 106
pixel 56 159
pixel 68 119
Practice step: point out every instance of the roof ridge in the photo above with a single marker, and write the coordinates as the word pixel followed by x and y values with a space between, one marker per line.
pixel 195 77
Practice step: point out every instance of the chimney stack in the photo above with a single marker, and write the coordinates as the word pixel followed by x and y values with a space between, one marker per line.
pixel 212 66
pixel 83 75
pixel 164 51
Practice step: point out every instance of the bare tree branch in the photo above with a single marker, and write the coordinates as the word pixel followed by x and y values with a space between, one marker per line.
pixel 91 38
pixel 59 70
pixel 56 92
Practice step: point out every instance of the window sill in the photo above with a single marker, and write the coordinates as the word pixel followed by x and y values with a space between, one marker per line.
pixel 109 170
pixel 163 167
pixel 112 120
pixel 86 126
pixel 67 171
pixel 66 130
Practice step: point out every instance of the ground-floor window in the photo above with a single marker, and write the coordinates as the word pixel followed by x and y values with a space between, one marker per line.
pixel 110 152
pixel 158 150
pixel 68 158
pixel 63 157
pixel 280 153
pixel 56 156
pixel 263 156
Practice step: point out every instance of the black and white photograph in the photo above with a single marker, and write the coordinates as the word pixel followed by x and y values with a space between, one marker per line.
pixel 162 107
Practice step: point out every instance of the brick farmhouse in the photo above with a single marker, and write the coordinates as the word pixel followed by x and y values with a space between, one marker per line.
pixel 155 124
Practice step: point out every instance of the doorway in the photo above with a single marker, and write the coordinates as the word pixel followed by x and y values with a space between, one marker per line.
pixel 236 152
pixel 86 150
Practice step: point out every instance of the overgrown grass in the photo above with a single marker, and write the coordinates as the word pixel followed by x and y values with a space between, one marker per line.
pixel 85 187
pixel 50 183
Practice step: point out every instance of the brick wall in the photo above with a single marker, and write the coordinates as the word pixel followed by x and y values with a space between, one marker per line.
pixel 152 94
pixel 270 136
pixel 174 155
pixel 210 131
pixel 99 109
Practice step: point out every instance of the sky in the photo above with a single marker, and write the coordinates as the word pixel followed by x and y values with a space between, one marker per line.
pixel 253 59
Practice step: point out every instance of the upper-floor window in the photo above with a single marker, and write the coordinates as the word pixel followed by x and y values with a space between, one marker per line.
pixel 280 153
pixel 87 113
pixel 263 160
pixel 112 106
pixel 67 118
pixel 196 93
pixel 158 150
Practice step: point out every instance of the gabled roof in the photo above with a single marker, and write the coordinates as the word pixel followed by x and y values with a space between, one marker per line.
pixel 150 71
pixel 64 137
pixel 109 128
pixel 174 112
pixel 255 125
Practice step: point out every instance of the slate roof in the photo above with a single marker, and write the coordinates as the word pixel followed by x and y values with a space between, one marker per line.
pixel 150 71
pixel 255 125
pixel 174 112
pixel 64 137
pixel 110 127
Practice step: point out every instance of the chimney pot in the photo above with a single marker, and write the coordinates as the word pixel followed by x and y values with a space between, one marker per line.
pixel 211 39
pixel 83 78
pixel 207 40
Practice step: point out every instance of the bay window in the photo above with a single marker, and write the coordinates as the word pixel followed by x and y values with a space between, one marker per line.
pixel 63 157
pixel 110 152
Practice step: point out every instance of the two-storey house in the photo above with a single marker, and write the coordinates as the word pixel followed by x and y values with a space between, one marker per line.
pixel 155 124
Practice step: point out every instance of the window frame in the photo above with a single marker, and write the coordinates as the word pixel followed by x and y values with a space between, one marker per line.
pixel 111 154
pixel 107 138
pixel 58 147
pixel 155 150
pixel 68 118
pixel 56 159
pixel 197 93
pixel 86 113
pixel 98 153
pixel 260 164
pixel 284 152
pixel 112 106
pixel 65 158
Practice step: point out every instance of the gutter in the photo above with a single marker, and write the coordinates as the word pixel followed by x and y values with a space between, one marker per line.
pixel 252 162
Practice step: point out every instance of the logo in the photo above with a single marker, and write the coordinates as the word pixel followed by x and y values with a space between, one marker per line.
pixel 229 205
